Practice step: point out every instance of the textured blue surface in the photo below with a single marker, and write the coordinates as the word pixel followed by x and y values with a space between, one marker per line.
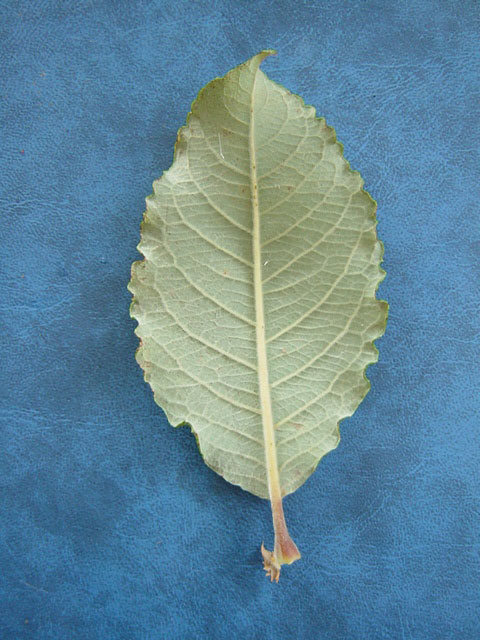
pixel 111 525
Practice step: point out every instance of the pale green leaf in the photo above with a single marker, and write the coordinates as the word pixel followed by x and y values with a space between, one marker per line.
pixel 256 300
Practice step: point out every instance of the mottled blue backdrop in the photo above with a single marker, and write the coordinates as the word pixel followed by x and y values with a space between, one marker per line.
pixel 111 525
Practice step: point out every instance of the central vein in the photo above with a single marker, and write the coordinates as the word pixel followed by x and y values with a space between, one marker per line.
pixel 273 477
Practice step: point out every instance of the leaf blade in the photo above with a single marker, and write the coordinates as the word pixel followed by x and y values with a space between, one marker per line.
pixel 319 262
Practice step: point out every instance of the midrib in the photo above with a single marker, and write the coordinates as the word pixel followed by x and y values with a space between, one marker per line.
pixel 273 477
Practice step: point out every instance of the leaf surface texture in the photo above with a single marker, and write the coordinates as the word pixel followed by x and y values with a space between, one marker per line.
pixel 252 151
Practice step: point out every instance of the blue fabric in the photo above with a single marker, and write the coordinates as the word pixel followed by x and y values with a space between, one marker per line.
pixel 111 524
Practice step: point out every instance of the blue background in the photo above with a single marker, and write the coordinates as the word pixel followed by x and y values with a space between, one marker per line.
pixel 111 525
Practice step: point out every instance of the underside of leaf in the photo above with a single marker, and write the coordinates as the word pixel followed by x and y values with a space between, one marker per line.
pixel 256 302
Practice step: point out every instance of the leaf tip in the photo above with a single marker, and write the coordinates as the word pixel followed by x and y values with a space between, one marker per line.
pixel 260 57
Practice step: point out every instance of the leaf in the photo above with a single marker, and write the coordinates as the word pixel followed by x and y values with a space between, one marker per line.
pixel 256 300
